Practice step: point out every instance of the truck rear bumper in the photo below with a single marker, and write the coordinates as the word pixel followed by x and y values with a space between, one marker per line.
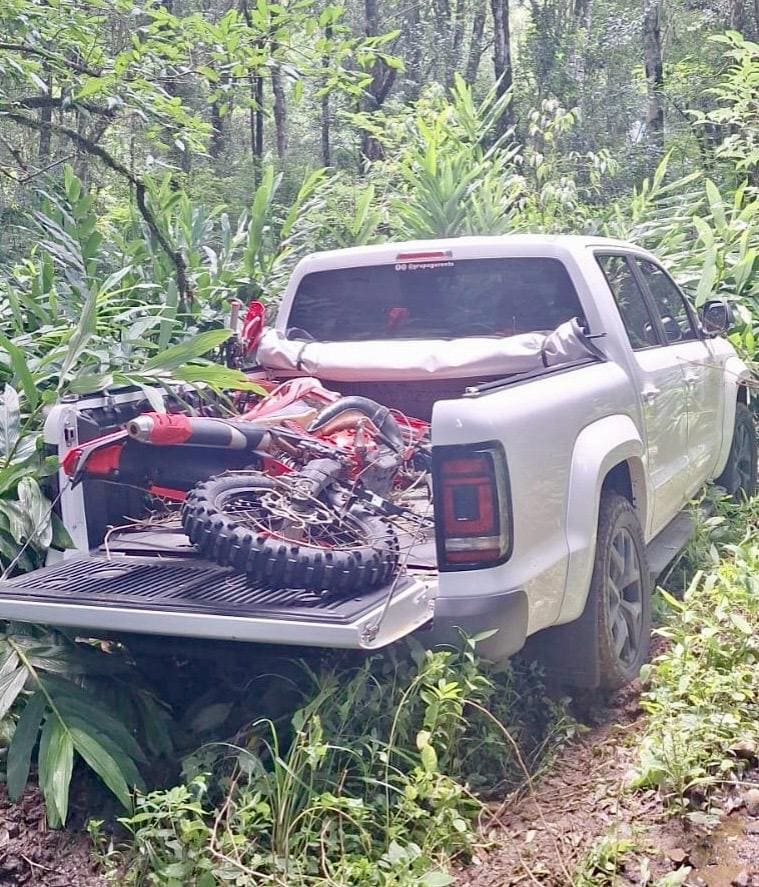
pixel 505 614
pixel 189 597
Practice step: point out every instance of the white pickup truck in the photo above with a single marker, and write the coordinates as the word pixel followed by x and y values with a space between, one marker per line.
pixel 579 468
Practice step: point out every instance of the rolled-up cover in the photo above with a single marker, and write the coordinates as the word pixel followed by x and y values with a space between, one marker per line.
pixel 417 359
pixel 568 343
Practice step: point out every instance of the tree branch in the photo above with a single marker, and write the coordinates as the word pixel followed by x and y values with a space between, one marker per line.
pixel 25 49
pixel 15 153
pixel 177 259
pixel 33 102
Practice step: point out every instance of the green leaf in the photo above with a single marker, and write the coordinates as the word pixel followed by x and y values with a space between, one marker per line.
pixel 168 315
pixel 81 336
pixel 91 87
pixel 217 376
pixel 61 539
pixel 98 759
pixel 708 277
pixel 716 204
pixel 22 745
pixel 429 759
pixel 21 371
pixel 73 703
pixel 741 623
pixel 437 879
pixel 154 725
pixel 89 383
pixel 10 421
pixel 10 686
pixel 178 355
pixel 55 762
pixel 210 716
pixel 705 233
pixel 37 511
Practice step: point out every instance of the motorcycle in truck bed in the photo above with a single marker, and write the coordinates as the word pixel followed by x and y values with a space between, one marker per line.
pixel 145 575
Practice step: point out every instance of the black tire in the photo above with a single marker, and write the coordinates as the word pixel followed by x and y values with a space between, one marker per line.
pixel 620 594
pixel 278 561
pixel 739 476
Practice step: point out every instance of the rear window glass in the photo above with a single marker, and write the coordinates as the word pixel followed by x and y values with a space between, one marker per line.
pixel 439 300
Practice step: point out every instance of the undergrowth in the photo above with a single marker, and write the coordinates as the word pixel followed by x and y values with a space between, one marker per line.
pixel 374 780
pixel 702 693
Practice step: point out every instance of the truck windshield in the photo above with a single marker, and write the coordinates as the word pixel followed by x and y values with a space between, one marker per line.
pixel 433 300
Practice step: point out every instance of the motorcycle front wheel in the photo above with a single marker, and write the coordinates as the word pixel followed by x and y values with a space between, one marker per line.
pixel 261 526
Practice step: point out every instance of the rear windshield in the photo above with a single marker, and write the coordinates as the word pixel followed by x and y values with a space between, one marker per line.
pixel 434 300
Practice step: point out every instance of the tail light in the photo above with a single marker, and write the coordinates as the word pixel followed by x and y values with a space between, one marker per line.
pixel 472 506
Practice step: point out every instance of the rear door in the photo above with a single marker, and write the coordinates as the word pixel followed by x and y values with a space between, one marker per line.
pixel 702 369
pixel 660 381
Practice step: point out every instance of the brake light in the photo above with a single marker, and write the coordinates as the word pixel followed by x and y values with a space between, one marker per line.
pixel 424 256
pixel 472 506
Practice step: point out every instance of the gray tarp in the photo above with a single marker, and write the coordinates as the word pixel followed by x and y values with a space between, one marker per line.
pixel 416 359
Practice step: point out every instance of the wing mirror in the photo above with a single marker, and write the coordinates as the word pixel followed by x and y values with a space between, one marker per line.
pixel 717 317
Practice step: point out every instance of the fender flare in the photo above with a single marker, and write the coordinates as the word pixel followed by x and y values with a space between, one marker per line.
pixel 599 447
pixel 736 374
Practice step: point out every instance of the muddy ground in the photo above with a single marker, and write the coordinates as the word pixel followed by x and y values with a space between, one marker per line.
pixel 535 838
pixel 32 854
pixel 540 836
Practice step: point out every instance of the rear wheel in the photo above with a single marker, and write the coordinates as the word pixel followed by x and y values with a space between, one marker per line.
pixel 620 593
pixel 739 476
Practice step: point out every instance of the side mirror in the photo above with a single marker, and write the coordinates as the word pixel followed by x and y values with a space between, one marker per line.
pixel 717 317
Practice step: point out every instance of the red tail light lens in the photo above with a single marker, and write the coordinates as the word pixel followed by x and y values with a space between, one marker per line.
pixel 472 506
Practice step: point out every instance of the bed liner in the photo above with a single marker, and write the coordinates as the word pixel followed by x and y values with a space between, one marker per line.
pixel 185 595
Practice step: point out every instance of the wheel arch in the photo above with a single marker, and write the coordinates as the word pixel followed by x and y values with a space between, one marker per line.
pixel 737 391
pixel 608 455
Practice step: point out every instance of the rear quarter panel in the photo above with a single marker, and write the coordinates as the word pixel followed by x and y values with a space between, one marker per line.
pixel 539 423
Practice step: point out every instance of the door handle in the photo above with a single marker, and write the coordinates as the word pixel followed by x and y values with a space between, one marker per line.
pixel 691 381
pixel 650 395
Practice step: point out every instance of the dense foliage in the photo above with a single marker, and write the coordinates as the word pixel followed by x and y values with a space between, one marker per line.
pixel 701 693
pixel 160 157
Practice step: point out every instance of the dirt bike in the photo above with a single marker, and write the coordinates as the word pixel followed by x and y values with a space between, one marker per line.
pixel 311 500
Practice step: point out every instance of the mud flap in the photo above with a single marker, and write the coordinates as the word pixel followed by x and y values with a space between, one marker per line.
pixel 569 653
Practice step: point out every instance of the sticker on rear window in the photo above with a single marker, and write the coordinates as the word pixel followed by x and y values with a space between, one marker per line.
pixel 423 266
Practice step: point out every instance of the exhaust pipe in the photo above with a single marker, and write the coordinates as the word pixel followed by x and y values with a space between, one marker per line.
pixel 166 430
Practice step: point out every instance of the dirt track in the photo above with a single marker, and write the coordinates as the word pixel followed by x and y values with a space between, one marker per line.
pixel 539 837
pixel 31 854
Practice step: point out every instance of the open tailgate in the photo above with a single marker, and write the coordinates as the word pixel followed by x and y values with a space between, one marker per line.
pixel 192 597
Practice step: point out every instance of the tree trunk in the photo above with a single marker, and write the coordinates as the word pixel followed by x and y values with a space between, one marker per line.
pixel 441 49
pixel 738 18
pixel 280 112
pixel 502 58
pixel 654 68
pixel 256 113
pixel 475 45
pixel 258 129
pixel 46 118
pixel 458 29
pixel 325 112
pixel 414 58
pixel 216 146
pixel 377 90
pixel 584 19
